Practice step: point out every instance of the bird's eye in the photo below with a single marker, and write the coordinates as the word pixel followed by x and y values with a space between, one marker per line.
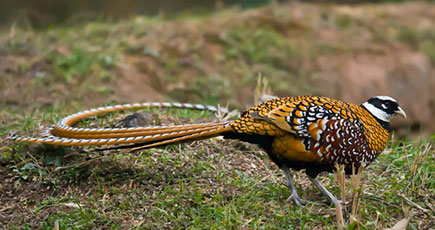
pixel 386 105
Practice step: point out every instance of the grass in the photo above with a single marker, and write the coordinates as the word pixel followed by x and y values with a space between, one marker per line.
pixel 212 184
pixel 208 58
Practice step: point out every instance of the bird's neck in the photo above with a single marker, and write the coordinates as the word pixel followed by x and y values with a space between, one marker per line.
pixel 386 125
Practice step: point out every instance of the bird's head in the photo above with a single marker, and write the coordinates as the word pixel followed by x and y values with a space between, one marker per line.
pixel 383 108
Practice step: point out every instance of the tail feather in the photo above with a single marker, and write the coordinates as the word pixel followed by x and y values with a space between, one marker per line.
pixel 62 131
pixel 151 132
pixel 191 137
pixel 199 135
pixel 147 139
pixel 67 123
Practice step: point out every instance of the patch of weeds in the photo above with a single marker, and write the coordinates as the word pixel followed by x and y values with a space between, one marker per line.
pixel 74 65
pixel 81 218
pixel 344 22
pixel 28 170
pixel 410 36
pixel 255 46
pixel 210 90
pixel 428 47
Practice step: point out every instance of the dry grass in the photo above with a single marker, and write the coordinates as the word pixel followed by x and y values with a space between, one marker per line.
pixel 209 184
pixel 212 184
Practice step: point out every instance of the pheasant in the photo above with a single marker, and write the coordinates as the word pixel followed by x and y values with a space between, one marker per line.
pixel 301 132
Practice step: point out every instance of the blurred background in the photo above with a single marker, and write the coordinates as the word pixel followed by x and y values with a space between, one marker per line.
pixel 40 13
pixel 54 53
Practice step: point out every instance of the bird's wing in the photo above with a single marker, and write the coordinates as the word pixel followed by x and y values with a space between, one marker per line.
pixel 304 116
pixel 308 117
pixel 328 128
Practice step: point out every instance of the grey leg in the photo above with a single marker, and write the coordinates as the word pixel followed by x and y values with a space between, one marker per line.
pixel 329 195
pixel 290 184
pixel 324 191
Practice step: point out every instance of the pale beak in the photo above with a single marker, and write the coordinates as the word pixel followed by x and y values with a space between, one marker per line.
pixel 401 112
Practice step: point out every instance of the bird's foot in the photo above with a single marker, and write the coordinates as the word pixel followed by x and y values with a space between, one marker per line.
pixel 343 206
pixel 297 200
pixel 331 202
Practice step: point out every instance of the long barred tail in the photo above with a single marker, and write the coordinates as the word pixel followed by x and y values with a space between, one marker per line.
pixel 64 126
pixel 164 137
pixel 64 134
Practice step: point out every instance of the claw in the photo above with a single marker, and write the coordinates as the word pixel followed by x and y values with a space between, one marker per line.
pixel 297 200
pixel 329 203
pixel 294 196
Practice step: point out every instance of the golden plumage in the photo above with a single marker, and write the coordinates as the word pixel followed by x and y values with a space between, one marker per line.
pixel 309 120
pixel 303 132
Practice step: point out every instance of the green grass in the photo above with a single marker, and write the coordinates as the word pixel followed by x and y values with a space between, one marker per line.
pixel 211 184
pixel 206 59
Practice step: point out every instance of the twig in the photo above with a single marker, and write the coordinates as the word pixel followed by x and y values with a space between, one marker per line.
pixel 410 202
pixel 81 164
pixel 355 181
pixel 34 159
pixel 429 205
pixel 381 200
pixel 6 208
pixel 340 178
pixel 271 172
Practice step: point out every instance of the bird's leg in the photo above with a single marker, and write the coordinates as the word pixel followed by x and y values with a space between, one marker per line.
pixel 294 193
pixel 322 189
pixel 329 195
